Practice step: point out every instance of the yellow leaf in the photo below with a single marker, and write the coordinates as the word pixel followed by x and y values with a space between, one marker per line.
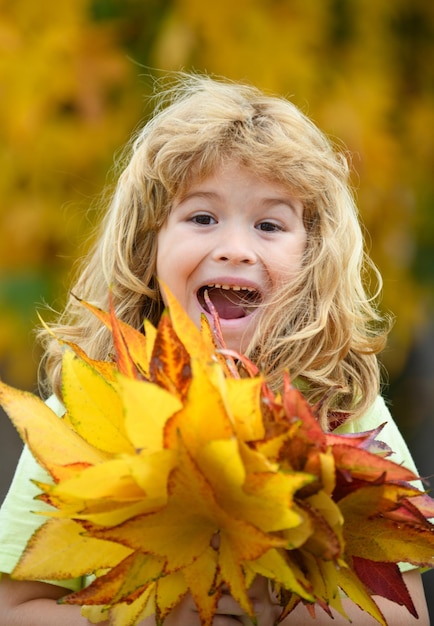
pixel 331 594
pixel 328 471
pixel 182 529
pixel 295 537
pixel 203 417
pixel 147 407
pixel 94 614
pixel 60 550
pixel 231 569
pixel 270 448
pixel 94 406
pixel 111 492
pixel 243 401
pixel 187 331
pixel 371 535
pixel 151 472
pixel 323 576
pixel 102 512
pixel 254 461
pixel 275 566
pixel 355 590
pixel 328 509
pixel 109 480
pixel 53 444
pixel 169 590
pixel 263 499
pixel 134 575
pixel 131 614
pixel 124 582
pixel 325 541
pixel 200 577
pixel 197 479
pixel 239 542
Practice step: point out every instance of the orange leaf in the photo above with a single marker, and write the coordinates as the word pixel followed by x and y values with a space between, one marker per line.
pixel 170 362
pixel 130 344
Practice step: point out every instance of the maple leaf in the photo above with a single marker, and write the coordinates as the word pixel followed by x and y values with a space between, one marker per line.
pixel 56 447
pixel 171 474
pixel 384 579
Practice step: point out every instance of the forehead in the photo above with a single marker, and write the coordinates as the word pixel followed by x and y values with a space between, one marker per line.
pixel 230 170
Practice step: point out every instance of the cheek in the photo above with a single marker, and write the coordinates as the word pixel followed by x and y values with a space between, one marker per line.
pixel 288 263
pixel 298 251
pixel 172 265
pixel 163 263
pixel 285 269
pixel 163 254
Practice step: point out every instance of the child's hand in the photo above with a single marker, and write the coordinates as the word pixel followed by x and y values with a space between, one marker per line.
pixel 229 611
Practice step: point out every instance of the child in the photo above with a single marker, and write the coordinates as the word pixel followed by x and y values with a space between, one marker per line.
pixel 235 194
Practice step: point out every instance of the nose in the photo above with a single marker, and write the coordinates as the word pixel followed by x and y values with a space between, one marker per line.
pixel 235 246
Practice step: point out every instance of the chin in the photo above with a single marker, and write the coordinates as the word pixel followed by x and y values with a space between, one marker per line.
pixel 238 344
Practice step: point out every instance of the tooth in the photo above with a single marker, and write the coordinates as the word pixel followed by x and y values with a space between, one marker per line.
pixel 228 287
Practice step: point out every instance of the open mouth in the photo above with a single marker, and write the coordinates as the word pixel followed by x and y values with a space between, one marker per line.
pixel 230 301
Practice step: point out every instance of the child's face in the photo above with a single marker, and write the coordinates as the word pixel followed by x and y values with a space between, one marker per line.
pixel 237 236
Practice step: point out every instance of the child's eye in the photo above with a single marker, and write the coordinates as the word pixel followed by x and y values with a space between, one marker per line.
pixel 268 227
pixel 203 218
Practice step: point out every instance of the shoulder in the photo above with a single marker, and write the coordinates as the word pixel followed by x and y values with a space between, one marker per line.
pixel 378 413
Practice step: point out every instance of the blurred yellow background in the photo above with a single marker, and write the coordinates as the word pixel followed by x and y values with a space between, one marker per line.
pixel 74 77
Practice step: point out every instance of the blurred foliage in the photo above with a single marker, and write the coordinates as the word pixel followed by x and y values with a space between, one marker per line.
pixel 73 76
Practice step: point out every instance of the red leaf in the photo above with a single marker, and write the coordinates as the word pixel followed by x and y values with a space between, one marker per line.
pixel 346 484
pixel 366 441
pixel 424 504
pixel 409 512
pixel 297 407
pixel 384 579
pixel 367 466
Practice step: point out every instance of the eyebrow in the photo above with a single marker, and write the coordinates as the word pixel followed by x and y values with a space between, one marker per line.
pixel 292 203
pixel 198 194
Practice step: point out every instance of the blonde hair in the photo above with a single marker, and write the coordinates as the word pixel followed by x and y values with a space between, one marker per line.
pixel 322 327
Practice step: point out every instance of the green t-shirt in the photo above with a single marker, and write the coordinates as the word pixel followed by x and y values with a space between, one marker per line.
pixel 17 523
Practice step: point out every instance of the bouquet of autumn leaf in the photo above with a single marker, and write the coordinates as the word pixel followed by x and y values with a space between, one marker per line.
pixel 167 448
